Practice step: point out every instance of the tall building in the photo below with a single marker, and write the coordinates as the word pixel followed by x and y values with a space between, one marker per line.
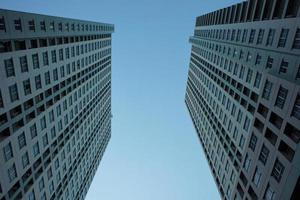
pixel 243 95
pixel 55 104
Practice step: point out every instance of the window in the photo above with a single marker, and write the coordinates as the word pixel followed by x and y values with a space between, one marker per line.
pixel 267 90
pixel 47 78
pixel 269 63
pixel 12 173
pixel 257 177
pixel 31 25
pixel 283 66
pixel 25 160
pixel 18 24
pixel 33 131
pixel 247 163
pixel 246 124
pixel 62 71
pixel 52 27
pixel 258 59
pixel 264 153
pixel 8 152
pixel 278 170
pixel 2 24
pixel 45 58
pixel 13 92
pixel 55 74
pixel 283 37
pixel 31 195
pixel 53 55
pixel 253 141
pixel 36 149
pixel 22 140
pixel 41 184
pixel 281 96
pixel 49 173
pixel 45 140
pixel 27 87
pixel 296 43
pixel 252 35
pixel 270 38
pixel 244 35
pixel 260 36
pixel 9 67
pixel 249 76
pixel 257 80
pixel 43 123
pixel 296 108
pixel 61 54
pixel 242 142
pixel 43 26
pixel 38 82
pixel 35 61
pixel 23 64
pixel 270 193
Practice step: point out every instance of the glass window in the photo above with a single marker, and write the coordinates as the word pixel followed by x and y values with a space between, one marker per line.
pixel 270 193
pixel 8 152
pixel 36 149
pixel 264 153
pixel 257 177
pixel 25 160
pixel 283 66
pixel 252 35
pixel 22 140
pixel 9 67
pixel 31 25
pixel 270 38
pixel 12 173
pixel 38 82
pixel 27 87
pixel 296 43
pixel 283 37
pixel 45 58
pixel 23 64
pixel 13 92
pixel 260 36
pixel 18 24
pixel 35 61
pixel 43 26
pixel 253 141
pixel 257 80
pixel 247 163
pixel 281 96
pixel 278 170
pixel 53 55
pixel 296 108
pixel 47 78
pixel 267 90
pixel 33 131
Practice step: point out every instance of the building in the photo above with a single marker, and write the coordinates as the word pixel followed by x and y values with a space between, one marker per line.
pixel 243 95
pixel 55 104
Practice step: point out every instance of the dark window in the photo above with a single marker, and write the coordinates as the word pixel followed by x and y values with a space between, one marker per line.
pixel 270 38
pixel 13 91
pixel 2 24
pixel 23 64
pixel 296 108
pixel 264 154
pixel 35 61
pixel 45 58
pixel 31 25
pixel 269 63
pixel 5 46
pixel 283 37
pixel 283 66
pixel 278 170
pixel 267 89
pixel 296 44
pixel 260 36
pixel 27 87
pixel 252 35
pixel 22 140
pixel 18 24
pixel 9 67
pixel 43 26
pixel 281 97
pixel 253 141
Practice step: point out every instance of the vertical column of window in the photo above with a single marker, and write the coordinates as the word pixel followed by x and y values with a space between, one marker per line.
pixel 35 61
pixel 13 92
pixel 27 87
pixel 18 24
pixel 270 38
pixel 267 90
pixel 31 25
pixel 23 64
pixel 296 43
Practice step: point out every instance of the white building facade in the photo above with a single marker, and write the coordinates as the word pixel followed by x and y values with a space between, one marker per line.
pixel 243 96
pixel 55 104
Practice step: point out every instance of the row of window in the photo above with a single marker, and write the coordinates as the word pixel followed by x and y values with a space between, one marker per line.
pixel 42 25
pixel 242 35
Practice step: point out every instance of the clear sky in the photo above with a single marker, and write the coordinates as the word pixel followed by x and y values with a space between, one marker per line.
pixel 154 152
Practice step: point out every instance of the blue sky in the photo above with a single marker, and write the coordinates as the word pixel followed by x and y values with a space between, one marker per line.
pixel 154 152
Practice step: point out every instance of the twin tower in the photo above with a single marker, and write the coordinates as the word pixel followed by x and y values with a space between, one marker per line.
pixel 243 95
